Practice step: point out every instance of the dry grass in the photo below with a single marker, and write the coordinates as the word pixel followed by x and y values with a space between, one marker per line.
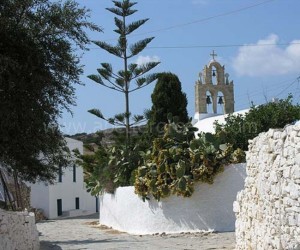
pixel 92 223
pixel 105 229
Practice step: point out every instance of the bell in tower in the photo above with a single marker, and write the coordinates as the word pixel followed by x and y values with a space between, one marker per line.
pixel 214 80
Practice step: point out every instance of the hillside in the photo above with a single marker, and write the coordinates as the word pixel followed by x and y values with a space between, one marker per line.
pixel 105 137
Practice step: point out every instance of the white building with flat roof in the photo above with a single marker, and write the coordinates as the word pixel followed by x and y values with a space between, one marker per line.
pixel 206 125
pixel 68 195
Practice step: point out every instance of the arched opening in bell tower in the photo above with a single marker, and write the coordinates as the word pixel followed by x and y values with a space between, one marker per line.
pixel 214 75
pixel 209 102
pixel 220 103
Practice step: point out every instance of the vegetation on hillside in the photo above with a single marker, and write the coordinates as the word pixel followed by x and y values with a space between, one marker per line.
pixel 172 163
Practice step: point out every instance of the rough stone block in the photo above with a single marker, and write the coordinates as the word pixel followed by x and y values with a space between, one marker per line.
pixel 295 171
pixel 236 207
pixel 297 159
pixel 273 177
pixel 292 221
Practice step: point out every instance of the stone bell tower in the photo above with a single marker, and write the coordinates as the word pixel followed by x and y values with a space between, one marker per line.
pixel 213 88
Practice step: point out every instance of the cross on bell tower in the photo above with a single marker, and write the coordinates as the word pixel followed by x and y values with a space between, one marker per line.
pixel 213 54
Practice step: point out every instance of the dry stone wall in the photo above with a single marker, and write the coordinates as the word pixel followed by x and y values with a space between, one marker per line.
pixel 268 208
pixel 18 231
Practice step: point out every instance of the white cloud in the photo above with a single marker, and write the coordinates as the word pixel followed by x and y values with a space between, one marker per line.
pixel 145 59
pixel 268 59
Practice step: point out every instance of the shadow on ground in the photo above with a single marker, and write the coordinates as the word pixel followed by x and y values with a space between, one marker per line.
pixel 46 245
pixel 89 216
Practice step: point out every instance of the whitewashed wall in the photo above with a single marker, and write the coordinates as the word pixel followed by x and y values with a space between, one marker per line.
pixel 45 196
pixel 209 208
pixel 18 231
pixel 268 208
pixel 39 197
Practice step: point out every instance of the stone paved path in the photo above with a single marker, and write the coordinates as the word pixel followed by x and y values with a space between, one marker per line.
pixel 85 233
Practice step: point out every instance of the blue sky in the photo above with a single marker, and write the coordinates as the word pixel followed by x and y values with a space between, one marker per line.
pixel 258 41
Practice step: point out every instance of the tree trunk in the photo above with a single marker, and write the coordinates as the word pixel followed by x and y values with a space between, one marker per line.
pixel 127 112
pixel 6 192
pixel 18 191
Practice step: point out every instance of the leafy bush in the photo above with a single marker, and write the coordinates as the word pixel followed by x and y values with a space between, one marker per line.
pixel 238 129
pixel 98 174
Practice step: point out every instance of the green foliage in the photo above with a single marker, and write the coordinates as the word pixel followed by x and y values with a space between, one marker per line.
pixel 98 174
pixel 176 162
pixel 167 98
pixel 238 129
pixel 107 168
pixel 273 114
pixel 39 64
pixel 163 166
pixel 234 129
pixel 120 80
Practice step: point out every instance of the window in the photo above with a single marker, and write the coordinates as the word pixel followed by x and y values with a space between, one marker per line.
pixel 74 173
pixel 60 173
pixel 77 202
pixel 97 204
pixel 59 207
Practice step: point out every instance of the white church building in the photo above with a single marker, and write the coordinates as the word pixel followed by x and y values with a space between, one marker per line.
pixel 68 195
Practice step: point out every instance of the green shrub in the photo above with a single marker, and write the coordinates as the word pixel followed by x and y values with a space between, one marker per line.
pixel 108 167
pixel 238 129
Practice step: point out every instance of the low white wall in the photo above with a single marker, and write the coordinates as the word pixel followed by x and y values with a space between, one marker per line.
pixel 268 208
pixel 18 231
pixel 209 208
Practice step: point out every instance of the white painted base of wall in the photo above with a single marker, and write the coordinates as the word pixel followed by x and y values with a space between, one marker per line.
pixel 209 208
pixel 76 213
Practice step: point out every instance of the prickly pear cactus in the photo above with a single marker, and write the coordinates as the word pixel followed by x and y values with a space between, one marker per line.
pixel 176 162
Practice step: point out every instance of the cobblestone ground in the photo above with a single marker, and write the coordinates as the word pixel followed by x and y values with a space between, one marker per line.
pixel 85 233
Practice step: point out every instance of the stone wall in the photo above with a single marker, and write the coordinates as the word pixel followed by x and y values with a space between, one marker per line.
pixel 268 208
pixel 18 231
pixel 209 208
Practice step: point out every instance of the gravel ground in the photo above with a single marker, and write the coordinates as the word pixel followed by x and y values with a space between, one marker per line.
pixel 86 233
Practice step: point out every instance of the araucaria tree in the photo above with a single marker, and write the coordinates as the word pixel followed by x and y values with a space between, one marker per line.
pixel 39 66
pixel 120 80
pixel 168 98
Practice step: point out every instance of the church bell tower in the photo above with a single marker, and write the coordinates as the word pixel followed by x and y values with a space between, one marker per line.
pixel 214 93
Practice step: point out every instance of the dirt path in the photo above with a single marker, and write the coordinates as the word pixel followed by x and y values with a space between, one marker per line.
pixel 85 233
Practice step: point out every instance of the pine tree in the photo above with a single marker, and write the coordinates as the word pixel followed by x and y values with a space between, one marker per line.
pixel 120 81
pixel 168 98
